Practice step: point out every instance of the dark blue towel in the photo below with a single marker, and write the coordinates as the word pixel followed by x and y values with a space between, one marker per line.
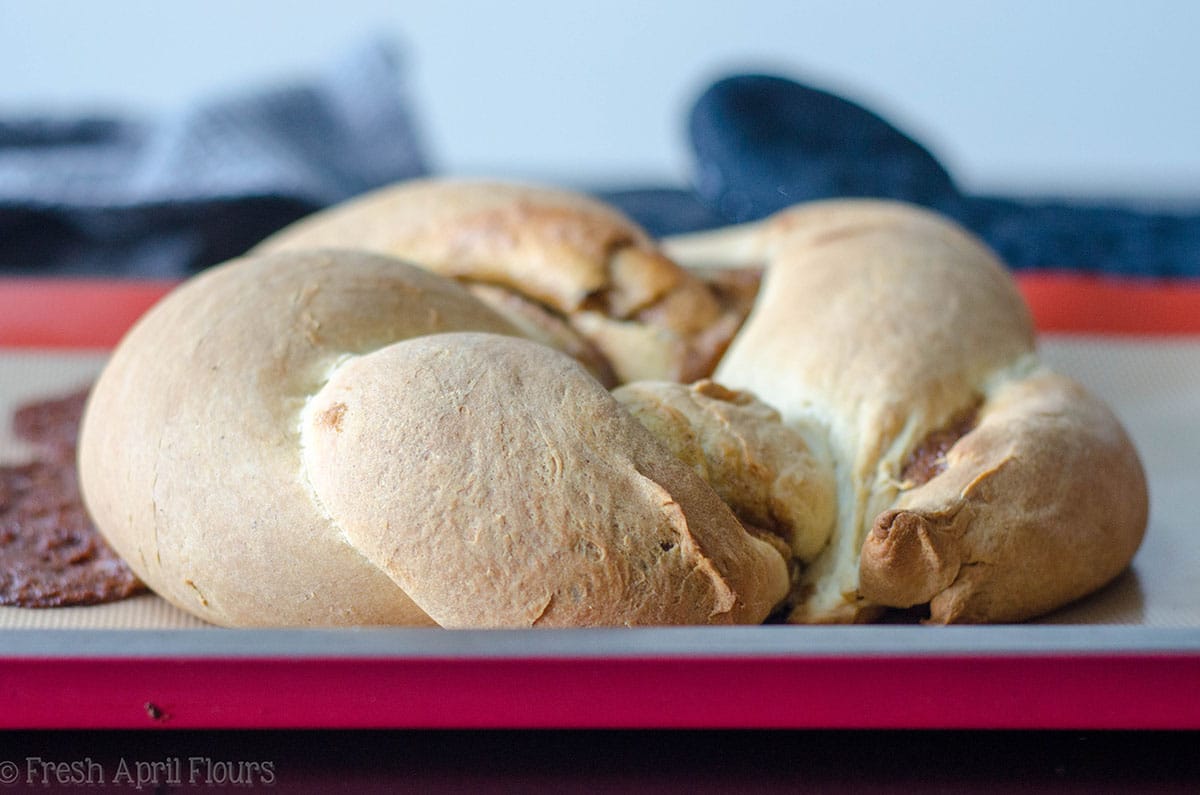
pixel 762 143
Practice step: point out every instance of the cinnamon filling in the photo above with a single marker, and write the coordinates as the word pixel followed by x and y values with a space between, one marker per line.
pixel 731 293
pixel 928 459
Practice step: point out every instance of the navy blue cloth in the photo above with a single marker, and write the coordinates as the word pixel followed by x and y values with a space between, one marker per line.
pixel 161 198
pixel 762 143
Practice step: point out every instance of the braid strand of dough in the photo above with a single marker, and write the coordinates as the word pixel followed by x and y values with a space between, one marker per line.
pixel 880 326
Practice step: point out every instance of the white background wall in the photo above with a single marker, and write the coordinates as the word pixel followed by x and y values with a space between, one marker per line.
pixel 1025 96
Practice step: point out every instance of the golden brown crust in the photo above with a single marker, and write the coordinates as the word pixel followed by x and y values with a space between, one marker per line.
pixel 575 256
pixel 550 244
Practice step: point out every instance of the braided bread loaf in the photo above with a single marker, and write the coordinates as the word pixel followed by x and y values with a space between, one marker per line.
pixel 311 435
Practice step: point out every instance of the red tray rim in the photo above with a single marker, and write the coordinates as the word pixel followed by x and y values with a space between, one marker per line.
pixel 95 313
pixel 1016 677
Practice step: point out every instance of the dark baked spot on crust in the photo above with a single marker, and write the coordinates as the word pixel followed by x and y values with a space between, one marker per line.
pixel 198 592
pixel 332 417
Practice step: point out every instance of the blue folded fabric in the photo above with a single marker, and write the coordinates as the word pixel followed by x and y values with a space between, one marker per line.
pixel 161 198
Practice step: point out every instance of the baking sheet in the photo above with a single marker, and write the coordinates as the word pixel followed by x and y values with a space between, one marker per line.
pixel 1153 384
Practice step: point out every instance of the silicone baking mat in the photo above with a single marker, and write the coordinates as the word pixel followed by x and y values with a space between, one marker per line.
pixel 1124 657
